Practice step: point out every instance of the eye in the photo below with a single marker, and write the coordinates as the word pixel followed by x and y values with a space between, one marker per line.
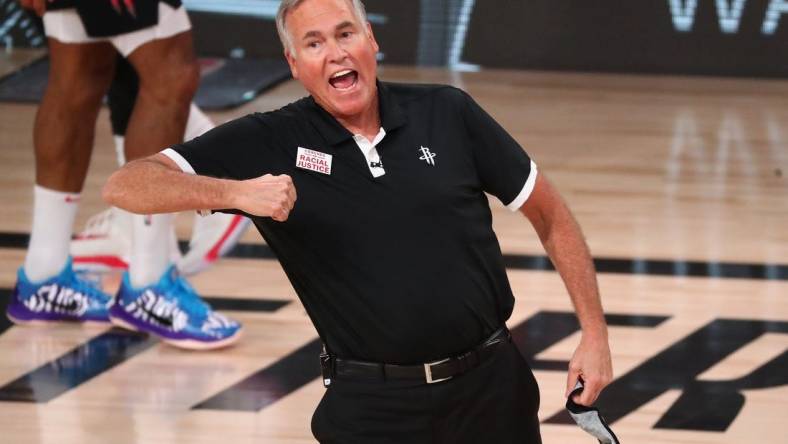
pixel 345 34
pixel 314 44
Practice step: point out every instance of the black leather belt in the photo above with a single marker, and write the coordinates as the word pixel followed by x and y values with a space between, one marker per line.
pixel 429 372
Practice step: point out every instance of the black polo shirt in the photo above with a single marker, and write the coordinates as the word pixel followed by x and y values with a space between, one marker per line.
pixel 402 268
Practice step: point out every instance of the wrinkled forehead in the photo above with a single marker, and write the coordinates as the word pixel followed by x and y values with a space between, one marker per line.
pixel 311 16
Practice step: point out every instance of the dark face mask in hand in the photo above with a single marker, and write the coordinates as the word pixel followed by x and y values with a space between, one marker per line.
pixel 589 419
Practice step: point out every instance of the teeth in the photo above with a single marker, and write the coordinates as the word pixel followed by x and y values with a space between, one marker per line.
pixel 341 73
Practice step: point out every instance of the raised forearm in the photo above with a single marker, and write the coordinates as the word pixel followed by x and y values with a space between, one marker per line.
pixel 148 186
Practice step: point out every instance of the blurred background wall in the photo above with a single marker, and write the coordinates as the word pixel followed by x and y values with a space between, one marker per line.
pixel 709 37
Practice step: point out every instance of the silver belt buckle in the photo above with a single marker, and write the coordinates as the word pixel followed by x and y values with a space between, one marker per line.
pixel 428 371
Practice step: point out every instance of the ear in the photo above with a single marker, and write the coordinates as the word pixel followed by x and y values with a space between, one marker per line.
pixel 292 62
pixel 371 38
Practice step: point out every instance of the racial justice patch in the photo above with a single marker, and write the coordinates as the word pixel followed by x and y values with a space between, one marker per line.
pixel 313 160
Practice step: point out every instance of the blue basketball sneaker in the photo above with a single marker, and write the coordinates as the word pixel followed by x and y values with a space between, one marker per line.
pixel 65 297
pixel 173 311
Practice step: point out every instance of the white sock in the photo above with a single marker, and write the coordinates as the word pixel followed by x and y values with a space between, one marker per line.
pixel 150 248
pixel 198 123
pixel 50 237
pixel 151 238
pixel 120 152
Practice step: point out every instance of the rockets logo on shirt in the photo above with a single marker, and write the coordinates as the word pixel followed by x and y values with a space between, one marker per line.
pixel 313 160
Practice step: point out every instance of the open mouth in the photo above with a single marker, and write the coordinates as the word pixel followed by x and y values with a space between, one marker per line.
pixel 344 79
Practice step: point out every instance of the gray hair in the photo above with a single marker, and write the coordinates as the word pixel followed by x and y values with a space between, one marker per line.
pixel 288 5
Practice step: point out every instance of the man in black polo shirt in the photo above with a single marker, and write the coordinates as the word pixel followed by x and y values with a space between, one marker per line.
pixel 390 247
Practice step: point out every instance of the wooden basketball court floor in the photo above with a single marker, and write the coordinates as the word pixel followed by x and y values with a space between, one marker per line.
pixel 679 184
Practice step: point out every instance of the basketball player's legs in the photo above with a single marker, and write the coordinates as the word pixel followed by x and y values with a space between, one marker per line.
pixel 47 289
pixel 168 77
pixel 105 243
pixel 79 75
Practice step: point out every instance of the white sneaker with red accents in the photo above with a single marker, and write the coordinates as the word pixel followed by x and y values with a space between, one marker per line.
pixel 105 243
pixel 212 237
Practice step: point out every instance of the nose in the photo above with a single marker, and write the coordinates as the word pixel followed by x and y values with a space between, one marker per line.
pixel 336 53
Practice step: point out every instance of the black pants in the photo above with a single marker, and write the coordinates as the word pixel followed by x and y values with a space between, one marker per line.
pixel 495 403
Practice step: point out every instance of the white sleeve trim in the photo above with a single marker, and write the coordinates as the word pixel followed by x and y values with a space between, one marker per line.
pixel 182 163
pixel 186 167
pixel 526 191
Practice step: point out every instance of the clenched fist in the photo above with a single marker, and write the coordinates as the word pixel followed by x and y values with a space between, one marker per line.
pixel 267 195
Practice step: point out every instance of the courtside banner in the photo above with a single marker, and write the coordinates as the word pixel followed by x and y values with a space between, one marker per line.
pixel 711 37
